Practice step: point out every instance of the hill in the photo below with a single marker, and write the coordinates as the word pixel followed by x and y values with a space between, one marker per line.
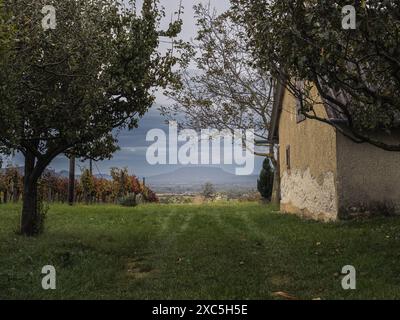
pixel 193 178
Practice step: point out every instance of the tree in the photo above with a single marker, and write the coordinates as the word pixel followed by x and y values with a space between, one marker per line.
pixel 121 181
pixel 88 185
pixel 66 90
pixel 266 180
pixel 5 30
pixel 208 191
pixel 71 181
pixel 356 72
pixel 225 83
pixel 10 184
pixel 227 91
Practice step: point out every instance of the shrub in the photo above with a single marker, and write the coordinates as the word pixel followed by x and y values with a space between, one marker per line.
pixel 150 196
pixel 266 181
pixel 208 191
pixel 368 209
pixel 128 201
pixel 384 208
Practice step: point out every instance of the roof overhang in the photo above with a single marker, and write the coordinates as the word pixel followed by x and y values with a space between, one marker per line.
pixel 279 94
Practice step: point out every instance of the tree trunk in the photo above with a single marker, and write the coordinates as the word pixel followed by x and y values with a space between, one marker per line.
pixel 91 176
pixel 91 167
pixel 30 219
pixel 71 186
pixel 276 190
pixel 15 188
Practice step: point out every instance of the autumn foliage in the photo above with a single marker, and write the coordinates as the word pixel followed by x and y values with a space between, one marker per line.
pixel 89 189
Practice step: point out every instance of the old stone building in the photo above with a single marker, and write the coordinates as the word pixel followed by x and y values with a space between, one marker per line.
pixel 325 175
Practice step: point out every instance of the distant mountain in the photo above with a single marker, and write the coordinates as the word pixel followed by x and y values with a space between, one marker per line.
pixel 184 177
pixel 63 173
pixel 21 171
pixel 194 176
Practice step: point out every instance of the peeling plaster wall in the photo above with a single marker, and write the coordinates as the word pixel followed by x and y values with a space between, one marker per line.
pixel 330 176
pixel 309 187
pixel 308 196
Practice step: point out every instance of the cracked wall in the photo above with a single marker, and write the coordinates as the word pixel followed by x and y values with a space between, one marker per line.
pixel 310 197
pixel 329 175
pixel 309 185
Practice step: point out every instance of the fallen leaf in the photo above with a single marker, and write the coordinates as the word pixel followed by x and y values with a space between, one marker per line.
pixel 284 295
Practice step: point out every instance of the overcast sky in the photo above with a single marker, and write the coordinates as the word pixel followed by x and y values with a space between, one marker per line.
pixel 133 144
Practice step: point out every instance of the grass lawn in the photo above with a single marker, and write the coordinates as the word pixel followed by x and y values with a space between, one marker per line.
pixel 223 251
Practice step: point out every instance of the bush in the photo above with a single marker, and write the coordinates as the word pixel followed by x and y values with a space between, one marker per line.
pixel 176 199
pixel 386 208
pixel 208 191
pixel 266 181
pixel 368 209
pixel 128 201
pixel 150 196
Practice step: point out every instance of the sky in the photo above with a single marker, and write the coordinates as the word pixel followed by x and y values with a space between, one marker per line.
pixel 133 143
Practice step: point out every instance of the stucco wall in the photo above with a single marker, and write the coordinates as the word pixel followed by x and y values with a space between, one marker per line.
pixel 309 187
pixel 369 178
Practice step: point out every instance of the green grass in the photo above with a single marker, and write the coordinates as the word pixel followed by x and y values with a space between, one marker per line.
pixel 224 251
